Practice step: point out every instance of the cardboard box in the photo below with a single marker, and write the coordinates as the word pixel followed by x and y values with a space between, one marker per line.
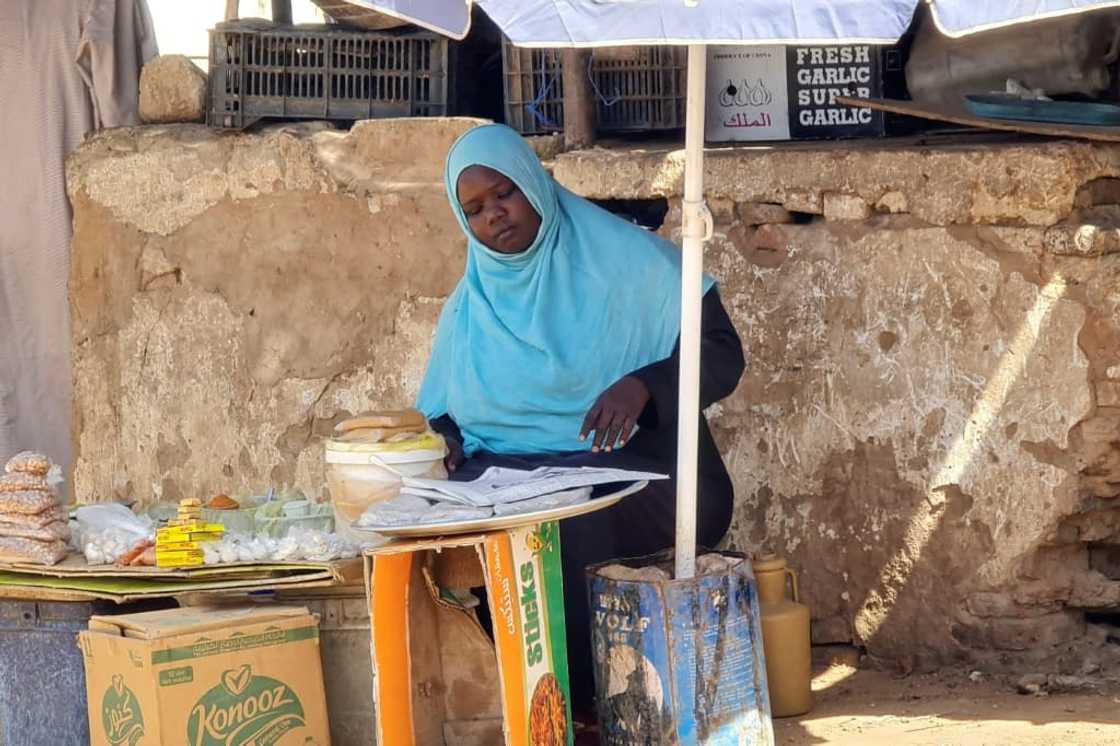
pixel 206 676
pixel 775 92
pixel 438 678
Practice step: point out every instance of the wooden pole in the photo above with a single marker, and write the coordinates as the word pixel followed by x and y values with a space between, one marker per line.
pixel 579 100
pixel 232 11
pixel 282 12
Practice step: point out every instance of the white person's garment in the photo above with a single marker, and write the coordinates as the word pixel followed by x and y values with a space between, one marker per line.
pixel 66 67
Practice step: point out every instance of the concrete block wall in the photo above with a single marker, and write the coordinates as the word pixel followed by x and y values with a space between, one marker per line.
pixel 929 427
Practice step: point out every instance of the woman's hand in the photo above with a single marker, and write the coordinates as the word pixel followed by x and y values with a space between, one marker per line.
pixel 615 413
pixel 454 458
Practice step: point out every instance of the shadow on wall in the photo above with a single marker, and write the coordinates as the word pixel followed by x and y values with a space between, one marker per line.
pixel 936 521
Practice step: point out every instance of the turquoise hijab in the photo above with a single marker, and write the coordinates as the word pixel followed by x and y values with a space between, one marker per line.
pixel 527 342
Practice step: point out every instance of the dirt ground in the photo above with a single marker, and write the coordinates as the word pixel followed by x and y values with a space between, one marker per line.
pixel 872 708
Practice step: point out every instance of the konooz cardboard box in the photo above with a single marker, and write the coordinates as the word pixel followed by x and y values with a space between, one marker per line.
pixel 245 676
pixel 439 679
pixel 775 92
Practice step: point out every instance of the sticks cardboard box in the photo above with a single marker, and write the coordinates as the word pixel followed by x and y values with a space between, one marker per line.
pixel 206 676
pixel 439 679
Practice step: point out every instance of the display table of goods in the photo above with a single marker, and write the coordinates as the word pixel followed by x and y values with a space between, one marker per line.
pixel 221 530
pixel 387 477
pixel 36 530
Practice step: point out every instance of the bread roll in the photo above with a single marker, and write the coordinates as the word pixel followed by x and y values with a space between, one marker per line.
pixel 379 434
pixel 389 418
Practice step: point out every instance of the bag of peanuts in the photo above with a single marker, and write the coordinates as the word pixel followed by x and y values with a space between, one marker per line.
pixel 19 549
pixel 54 531
pixel 25 502
pixel 29 462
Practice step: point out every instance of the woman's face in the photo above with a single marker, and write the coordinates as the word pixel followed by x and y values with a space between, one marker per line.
pixel 497 211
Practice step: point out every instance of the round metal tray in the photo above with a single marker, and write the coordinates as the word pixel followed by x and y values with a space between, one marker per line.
pixel 1000 106
pixel 501 522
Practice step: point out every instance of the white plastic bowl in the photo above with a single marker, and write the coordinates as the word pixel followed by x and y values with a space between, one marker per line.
pixel 361 474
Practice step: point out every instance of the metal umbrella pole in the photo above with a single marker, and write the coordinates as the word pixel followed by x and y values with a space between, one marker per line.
pixel 696 229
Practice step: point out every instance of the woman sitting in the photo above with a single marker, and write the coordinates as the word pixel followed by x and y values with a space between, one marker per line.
pixel 560 347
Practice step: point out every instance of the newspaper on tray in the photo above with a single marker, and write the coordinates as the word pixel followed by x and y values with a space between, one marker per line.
pixel 499 485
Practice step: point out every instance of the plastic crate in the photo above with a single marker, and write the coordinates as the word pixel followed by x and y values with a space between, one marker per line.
pixel 262 71
pixel 637 88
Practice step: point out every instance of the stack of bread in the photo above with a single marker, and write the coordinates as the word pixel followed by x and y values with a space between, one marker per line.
pixel 33 528
pixel 388 426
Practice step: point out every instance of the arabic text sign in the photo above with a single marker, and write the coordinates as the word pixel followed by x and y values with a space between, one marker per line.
pixel 747 96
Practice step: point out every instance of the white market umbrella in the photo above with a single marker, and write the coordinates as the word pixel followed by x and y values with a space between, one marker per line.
pixel 695 23
pixel 586 22
pixel 962 17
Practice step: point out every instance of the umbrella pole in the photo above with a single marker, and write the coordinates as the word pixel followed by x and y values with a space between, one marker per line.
pixel 696 229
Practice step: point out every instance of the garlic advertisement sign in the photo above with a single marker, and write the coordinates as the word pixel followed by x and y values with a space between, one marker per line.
pixel 819 75
pixel 747 94
pixel 781 93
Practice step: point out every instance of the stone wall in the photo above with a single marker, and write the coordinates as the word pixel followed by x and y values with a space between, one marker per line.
pixel 929 427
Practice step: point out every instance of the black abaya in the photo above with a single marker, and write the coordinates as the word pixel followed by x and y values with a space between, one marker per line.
pixel 646 522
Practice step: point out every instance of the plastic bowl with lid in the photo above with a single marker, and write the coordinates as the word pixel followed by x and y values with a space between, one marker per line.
pixel 360 474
